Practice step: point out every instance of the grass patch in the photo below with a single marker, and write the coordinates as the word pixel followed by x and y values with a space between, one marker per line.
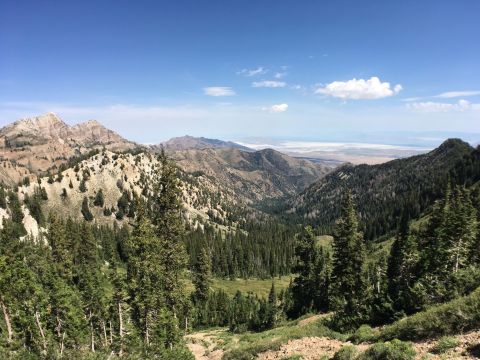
pixel 444 344
pixel 257 286
pixel 293 357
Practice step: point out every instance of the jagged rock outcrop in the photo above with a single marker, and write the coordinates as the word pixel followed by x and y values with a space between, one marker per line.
pixel 45 142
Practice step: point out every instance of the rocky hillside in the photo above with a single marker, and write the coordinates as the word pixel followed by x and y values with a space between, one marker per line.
pixel 190 142
pixel 120 178
pixel 381 191
pixel 220 179
pixel 45 142
pixel 252 176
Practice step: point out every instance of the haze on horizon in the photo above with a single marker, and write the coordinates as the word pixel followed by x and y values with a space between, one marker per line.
pixel 381 72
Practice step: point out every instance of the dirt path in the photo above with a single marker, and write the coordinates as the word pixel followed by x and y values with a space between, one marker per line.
pixel 202 345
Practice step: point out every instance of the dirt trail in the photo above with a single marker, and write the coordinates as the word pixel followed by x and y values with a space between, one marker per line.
pixel 202 345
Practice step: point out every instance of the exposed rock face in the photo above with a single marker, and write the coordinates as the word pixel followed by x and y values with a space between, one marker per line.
pixel 45 142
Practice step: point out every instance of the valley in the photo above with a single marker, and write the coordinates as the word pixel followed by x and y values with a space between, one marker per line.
pixel 254 238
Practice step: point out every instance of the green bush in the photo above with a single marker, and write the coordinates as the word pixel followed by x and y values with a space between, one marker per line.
pixel 347 352
pixel 363 334
pixel 395 350
pixel 451 318
pixel 444 344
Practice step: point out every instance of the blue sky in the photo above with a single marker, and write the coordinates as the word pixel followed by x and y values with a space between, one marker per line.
pixel 235 69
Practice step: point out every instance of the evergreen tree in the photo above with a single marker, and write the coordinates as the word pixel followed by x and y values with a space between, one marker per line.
pixel 272 311
pixel 87 215
pixel 201 276
pixel 169 228
pixel 99 199
pixel 145 278
pixel 302 287
pixel 83 186
pixel 402 269
pixel 61 248
pixel 348 288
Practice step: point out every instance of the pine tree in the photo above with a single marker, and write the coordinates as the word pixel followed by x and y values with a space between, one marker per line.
pixel 87 215
pixel 91 282
pixel 61 248
pixel 169 227
pixel 83 186
pixel 348 288
pixel 145 278
pixel 302 287
pixel 201 276
pixel 272 311
pixel 402 271
pixel 99 199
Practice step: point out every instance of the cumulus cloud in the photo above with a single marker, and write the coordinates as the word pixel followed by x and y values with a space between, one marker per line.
pixel 359 89
pixel 432 106
pixel 277 108
pixel 253 72
pixel 455 94
pixel 280 75
pixel 269 84
pixel 218 91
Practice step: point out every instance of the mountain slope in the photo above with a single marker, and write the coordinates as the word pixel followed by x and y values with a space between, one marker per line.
pixel 123 177
pixel 45 142
pixel 189 142
pixel 381 191
pixel 252 176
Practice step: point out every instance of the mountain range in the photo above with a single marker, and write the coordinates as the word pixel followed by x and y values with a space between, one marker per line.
pixel 221 179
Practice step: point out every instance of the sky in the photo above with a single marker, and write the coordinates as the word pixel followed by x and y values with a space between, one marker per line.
pixel 241 69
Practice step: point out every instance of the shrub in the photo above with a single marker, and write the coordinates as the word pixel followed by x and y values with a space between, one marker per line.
pixel 444 344
pixel 347 352
pixel 363 334
pixel 82 187
pixel 395 350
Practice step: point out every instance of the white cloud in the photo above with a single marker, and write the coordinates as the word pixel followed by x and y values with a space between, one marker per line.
pixel 253 72
pixel 355 89
pixel 280 75
pixel 218 91
pixel 454 94
pixel 431 106
pixel 269 84
pixel 277 108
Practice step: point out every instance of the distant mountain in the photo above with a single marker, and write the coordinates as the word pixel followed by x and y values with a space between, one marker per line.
pixel 254 175
pixel 45 142
pixel 189 142
pixel 381 191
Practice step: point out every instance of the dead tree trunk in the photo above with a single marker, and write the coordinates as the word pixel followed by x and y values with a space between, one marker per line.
pixel 120 327
pixel 8 322
pixel 40 329
pixel 92 334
